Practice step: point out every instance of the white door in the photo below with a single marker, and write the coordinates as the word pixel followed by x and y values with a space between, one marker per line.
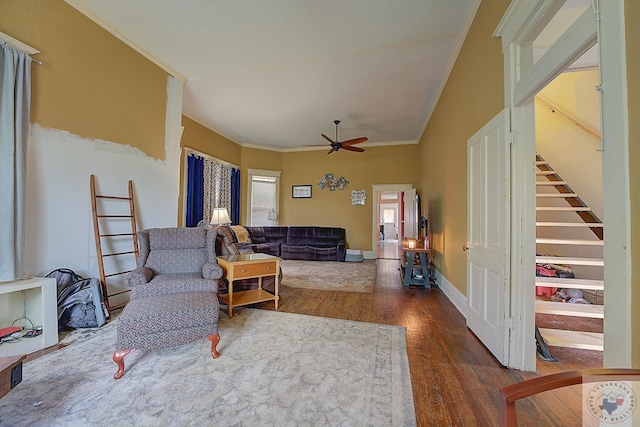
pixel 488 235
pixel 409 218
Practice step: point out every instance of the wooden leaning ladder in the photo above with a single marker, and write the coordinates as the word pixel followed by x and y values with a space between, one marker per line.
pixel 97 217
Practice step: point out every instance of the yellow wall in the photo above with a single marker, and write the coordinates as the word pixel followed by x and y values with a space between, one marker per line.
pixel 377 165
pixel 572 93
pixel 206 141
pixel 632 12
pixel 91 84
pixel 472 96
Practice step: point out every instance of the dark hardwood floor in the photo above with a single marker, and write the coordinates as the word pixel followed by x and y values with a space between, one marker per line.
pixel 455 380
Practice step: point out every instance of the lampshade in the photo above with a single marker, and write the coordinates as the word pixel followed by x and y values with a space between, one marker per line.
pixel 220 216
pixel 272 216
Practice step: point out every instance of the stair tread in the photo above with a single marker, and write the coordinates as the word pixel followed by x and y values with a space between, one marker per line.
pixel 545 172
pixel 569 260
pixel 545 183
pixel 573 339
pixel 564 208
pixel 559 282
pixel 556 195
pixel 569 224
pixel 570 309
pixel 570 242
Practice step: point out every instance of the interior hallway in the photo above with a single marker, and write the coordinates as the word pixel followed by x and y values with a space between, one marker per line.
pixel 388 249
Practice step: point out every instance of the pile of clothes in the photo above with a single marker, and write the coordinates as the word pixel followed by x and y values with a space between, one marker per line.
pixel 554 270
pixel 573 296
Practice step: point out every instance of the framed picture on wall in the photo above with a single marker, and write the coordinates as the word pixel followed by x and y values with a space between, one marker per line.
pixel 301 191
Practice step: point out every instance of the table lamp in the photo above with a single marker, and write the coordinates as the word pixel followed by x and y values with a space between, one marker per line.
pixel 220 216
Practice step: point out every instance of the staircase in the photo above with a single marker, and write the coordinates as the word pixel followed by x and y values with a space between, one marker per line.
pixel 566 227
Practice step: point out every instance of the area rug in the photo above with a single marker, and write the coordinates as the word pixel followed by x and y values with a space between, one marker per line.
pixel 274 369
pixel 329 275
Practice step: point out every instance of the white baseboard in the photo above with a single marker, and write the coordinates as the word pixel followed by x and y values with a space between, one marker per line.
pixel 454 295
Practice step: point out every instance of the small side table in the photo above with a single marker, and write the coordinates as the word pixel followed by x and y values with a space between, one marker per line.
pixel 408 264
pixel 246 266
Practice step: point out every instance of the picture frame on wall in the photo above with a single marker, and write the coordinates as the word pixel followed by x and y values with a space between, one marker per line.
pixel 301 191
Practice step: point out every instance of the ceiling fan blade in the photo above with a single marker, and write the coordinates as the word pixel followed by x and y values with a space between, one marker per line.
pixel 354 141
pixel 331 151
pixel 326 137
pixel 358 149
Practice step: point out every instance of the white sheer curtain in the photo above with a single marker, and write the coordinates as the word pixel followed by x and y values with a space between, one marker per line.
pixel 15 100
pixel 217 188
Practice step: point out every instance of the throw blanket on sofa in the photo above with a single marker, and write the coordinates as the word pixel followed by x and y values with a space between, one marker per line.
pixel 242 235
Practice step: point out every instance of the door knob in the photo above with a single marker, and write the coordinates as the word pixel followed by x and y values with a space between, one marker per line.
pixel 465 248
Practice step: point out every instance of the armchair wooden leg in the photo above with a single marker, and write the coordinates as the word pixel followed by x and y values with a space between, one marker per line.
pixel 118 357
pixel 215 339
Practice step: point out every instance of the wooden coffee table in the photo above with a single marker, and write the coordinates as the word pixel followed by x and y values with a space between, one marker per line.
pixel 247 266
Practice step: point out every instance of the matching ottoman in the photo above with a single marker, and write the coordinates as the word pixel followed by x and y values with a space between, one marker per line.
pixel 165 321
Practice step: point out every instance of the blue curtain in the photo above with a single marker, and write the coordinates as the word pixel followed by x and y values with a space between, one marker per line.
pixel 195 190
pixel 235 196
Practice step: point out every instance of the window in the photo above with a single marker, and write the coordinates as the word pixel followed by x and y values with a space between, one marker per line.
pixel 210 183
pixel 389 215
pixel 263 197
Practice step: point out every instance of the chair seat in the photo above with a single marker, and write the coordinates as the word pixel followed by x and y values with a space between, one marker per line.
pixel 169 320
pixel 173 283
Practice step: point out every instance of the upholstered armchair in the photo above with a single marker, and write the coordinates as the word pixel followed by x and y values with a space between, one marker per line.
pixel 173 293
pixel 174 260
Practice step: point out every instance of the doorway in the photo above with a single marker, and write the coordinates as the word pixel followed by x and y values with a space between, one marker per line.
pixel 389 213
pixel 388 220
pixel 570 291
pixel 602 22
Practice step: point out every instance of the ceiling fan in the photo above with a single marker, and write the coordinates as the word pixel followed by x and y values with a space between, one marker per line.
pixel 347 145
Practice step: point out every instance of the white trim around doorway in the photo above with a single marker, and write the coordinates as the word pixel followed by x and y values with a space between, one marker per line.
pixel 523 16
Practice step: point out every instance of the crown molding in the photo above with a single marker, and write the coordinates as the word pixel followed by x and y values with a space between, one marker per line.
pixel 263 147
pixel 82 7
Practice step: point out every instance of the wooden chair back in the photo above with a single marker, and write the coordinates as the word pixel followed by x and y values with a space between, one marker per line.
pixel 511 393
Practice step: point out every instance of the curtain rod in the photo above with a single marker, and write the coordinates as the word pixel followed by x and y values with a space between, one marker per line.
pixel 208 157
pixel 17 44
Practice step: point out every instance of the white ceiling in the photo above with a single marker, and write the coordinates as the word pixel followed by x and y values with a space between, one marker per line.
pixel 276 73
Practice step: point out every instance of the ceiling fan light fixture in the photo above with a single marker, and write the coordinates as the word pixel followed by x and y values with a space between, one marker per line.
pixel 336 144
